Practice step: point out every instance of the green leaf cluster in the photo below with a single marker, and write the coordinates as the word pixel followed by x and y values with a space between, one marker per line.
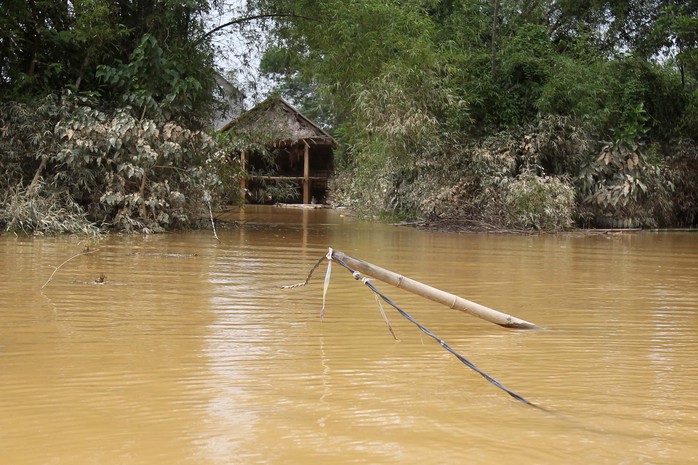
pixel 149 54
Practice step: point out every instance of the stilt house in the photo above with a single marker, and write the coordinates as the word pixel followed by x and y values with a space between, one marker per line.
pixel 285 147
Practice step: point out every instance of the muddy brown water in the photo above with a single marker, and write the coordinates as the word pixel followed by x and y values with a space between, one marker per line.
pixel 189 353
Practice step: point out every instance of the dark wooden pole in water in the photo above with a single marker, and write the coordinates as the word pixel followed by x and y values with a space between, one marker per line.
pixel 243 178
pixel 306 173
pixel 431 293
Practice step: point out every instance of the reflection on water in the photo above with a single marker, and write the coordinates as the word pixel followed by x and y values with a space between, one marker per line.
pixel 190 353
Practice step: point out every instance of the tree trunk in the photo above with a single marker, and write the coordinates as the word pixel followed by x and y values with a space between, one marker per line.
pixel 141 191
pixel 83 68
pixel 39 170
pixel 495 15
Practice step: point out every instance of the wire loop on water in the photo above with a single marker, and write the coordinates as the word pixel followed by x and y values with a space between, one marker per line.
pixel 307 279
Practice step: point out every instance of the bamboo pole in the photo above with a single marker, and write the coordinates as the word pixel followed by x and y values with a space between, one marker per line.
pixel 431 293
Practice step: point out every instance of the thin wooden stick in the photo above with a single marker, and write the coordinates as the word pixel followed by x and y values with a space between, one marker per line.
pixel 431 293
pixel 59 266
pixel 213 224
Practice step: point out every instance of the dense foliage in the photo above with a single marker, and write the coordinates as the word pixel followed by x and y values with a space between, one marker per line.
pixel 135 52
pixel 70 167
pixel 536 114
pixel 102 108
pixel 519 114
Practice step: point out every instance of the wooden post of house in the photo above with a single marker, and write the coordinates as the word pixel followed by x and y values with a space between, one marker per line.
pixel 243 179
pixel 306 173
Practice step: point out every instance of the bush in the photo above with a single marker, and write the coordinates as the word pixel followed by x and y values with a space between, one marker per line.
pixel 35 210
pixel 529 201
pixel 107 168
pixel 497 183
pixel 624 187
pixel 682 174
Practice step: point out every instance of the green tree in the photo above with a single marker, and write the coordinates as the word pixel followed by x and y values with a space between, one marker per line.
pixel 102 106
pixel 51 45
pixel 419 84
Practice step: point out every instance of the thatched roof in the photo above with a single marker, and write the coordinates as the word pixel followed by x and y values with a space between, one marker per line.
pixel 277 113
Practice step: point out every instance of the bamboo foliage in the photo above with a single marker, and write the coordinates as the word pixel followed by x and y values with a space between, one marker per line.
pixel 624 188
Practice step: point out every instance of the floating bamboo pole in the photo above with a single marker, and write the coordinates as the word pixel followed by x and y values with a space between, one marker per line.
pixel 431 293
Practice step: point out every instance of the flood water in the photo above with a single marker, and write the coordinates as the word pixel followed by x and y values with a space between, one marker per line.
pixel 190 353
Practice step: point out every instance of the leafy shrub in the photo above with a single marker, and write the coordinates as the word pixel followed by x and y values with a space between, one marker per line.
pixel 145 174
pixel 27 136
pixel 682 173
pixel 624 187
pixel 124 173
pixel 499 184
pixel 558 144
pixel 530 201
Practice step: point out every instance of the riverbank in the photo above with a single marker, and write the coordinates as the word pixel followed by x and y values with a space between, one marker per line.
pixel 234 217
pixel 461 225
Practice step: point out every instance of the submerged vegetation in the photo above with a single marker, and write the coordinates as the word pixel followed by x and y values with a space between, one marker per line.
pixel 540 115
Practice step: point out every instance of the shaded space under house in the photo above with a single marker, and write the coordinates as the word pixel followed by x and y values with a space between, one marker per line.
pixel 286 149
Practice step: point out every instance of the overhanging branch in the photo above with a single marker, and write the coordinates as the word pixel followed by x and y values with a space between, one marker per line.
pixel 247 19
